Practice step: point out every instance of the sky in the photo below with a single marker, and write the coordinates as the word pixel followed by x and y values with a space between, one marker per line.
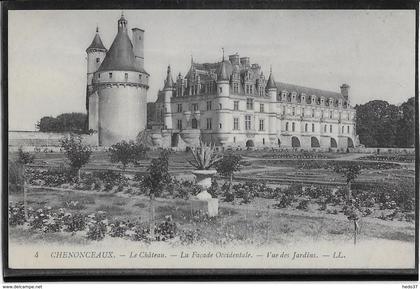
pixel 371 50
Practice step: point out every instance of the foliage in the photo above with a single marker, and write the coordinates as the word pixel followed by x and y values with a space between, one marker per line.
pixel 25 157
pixel 66 122
pixel 97 226
pixel 76 152
pixel 157 175
pixel 74 222
pixel 16 214
pixel 228 165
pixel 204 157
pixel 165 230
pixel 350 171
pixel 380 124
pixel 214 189
pixel 15 176
pixel 127 152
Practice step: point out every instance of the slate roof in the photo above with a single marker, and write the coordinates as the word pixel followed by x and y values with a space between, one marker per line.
pixel 96 43
pixel 270 82
pixel 120 55
pixel 222 73
pixel 281 86
pixel 169 83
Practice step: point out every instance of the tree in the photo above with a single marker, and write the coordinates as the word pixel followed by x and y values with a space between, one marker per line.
pixel 25 157
pixel 67 122
pixel 350 171
pixel 76 152
pixel 155 182
pixel 127 152
pixel 228 165
pixel 406 124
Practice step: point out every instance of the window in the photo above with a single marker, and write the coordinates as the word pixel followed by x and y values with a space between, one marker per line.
pixel 99 75
pixel 348 129
pixel 195 106
pixel 208 123
pixel 249 103
pixel 139 76
pixel 179 107
pixel 220 125
pixel 247 122
pixel 97 60
pixel 110 75
pixel 236 105
pixel 236 123
pixel 330 114
pixel 261 91
pixel 306 127
pixel 234 139
pixel 293 111
pixel 287 126
pixel 293 126
pixel 313 112
pixel 325 128
pixel 236 87
pixel 179 124
pixel 220 89
pixel 194 123
pixel 348 116
pixel 261 127
pixel 261 107
pixel 330 127
pixel 284 110
pixel 220 106
pixel 126 76
pixel 313 127
pixel 208 105
pixel 248 88
pixel 303 112
pixel 342 129
pixel 263 141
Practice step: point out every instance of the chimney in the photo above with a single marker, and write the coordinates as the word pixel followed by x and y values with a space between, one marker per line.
pixel 345 90
pixel 245 61
pixel 138 46
pixel 234 59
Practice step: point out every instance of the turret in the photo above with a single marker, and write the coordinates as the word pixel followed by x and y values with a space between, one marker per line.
pixel 138 46
pixel 96 53
pixel 345 90
pixel 223 78
pixel 168 92
pixel 271 87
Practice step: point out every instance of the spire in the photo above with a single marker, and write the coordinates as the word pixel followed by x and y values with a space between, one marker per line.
pixel 96 42
pixel 222 74
pixel 270 82
pixel 122 23
pixel 169 83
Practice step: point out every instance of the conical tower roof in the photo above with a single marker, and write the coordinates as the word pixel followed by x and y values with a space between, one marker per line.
pixel 222 73
pixel 270 82
pixel 96 42
pixel 120 55
pixel 169 83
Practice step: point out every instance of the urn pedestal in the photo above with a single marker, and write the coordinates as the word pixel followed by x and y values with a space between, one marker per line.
pixel 203 201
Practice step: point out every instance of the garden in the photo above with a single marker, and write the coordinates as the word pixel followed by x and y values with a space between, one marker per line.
pixel 67 203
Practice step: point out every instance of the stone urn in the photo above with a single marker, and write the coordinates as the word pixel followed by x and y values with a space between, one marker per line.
pixel 203 201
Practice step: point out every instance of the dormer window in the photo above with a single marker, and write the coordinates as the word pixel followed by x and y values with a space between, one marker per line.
pixel 98 59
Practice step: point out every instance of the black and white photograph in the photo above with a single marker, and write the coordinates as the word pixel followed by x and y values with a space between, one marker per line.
pixel 211 139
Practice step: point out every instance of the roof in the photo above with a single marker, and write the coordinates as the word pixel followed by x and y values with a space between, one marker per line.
pixel 96 43
pixel 169 83
pixel 120 55
pixel 270 81
pixel 308 90
pixel 222 73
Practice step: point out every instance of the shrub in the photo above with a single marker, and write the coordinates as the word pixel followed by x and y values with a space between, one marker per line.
pixel 303 204
pixel 76 152
pixel 16 214
pixel 165 230
pixel 284 201
pixel 127 152
pixel 97 226
pixel 73 223
pixel 15 176
pixel 25 157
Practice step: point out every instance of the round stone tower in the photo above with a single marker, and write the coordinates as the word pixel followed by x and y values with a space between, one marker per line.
pixel 121 84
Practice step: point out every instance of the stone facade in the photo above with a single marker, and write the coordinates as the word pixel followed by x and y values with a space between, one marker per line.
pixel 117 86
pixel 232 104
